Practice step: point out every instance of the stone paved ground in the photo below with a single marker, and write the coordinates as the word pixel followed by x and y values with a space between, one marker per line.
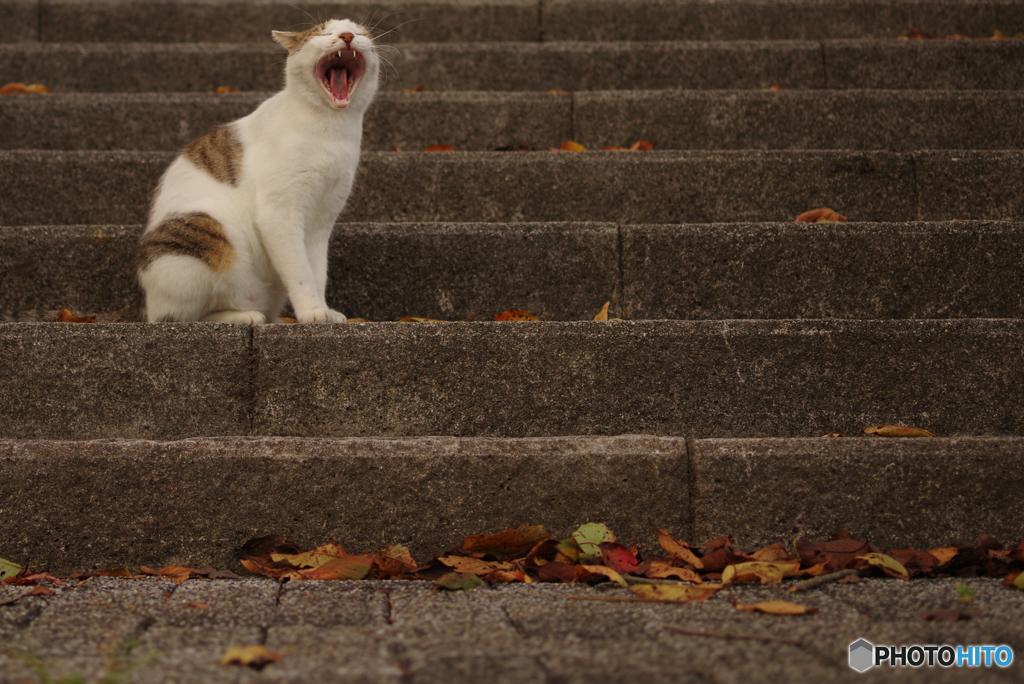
pixel 112 630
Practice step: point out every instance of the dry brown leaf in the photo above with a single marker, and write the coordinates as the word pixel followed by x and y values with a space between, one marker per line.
pixel 943 554
pixel 65 316
pixel 835 434
pixel 886 563
pixel 417 89
pixel 896 431
pixel 474 566
pixel 773 553
pixel 570 146
pixel 776 88
pixel 823 215
pixel 440 148
pixel 417 319
pixel 661 570
pixel 255 656
pixel 22 89
pixel 602 315
pixel 359 320
pixel 41 591
pixel 683 593
pixel 583 571
pixel 776 608
pixel 198 606
pixel 613 148
pixel 227 90
pixel 641 146
pixel 759 571
pixel 679 549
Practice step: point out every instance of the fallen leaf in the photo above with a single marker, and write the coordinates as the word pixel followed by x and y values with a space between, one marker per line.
pixel 660 570
pixel 679 549
pixel 507 543
pixel 886 563
pixel 770 554
pixel 834 553
pixel 8 569
pixel 513 315
pixel 918 34
pixel 823 215
pixel 440 148
pixel 558 92
pixel 453 581
pixel 835 434
pixel 602 315
pixel 359 320
pixel 227 90
pixel 41 591
pixel 255 656
pixel 946 615
pixel 417 89
pixel 65 316
pixel 896 431
pixel 613 148
pixel 759 571
pixel 723 541
pixel 683 593
pixel 589 537
pixel 556 571
pixel 198 606
pixel 22 89
pixel 618 557
pixel 584 571
pixel 570 146
pixel 568 551
pixel 394 561
pixel 776 608
pixel 114 572
pixel 474 566
pixel 1015 580
pixel 415 319
pixel 776 88
pixel 641 146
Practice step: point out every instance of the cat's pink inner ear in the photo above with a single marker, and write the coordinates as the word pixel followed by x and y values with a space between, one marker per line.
pixel 289 41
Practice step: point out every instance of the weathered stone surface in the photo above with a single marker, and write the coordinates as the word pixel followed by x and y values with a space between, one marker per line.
pixel 962 269
pixel 86 381
pixel 894 492
pixel 990 185
pixel 96 504
pixel 233 21
pixel 20 21
pixel 701 378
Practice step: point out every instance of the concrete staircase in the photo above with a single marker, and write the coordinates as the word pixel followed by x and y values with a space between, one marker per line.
pixel 746 338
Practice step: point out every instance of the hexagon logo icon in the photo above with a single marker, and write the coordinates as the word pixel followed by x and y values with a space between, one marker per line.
pixel 862 655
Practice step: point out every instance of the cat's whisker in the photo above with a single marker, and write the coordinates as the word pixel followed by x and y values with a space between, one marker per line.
pixel 393 29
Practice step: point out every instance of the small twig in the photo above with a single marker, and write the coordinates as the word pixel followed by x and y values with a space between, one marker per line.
pixel 632 579
pixel 743 637
pixel 816 582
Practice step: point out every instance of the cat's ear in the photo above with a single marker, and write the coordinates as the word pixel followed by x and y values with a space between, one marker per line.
pixel 289 41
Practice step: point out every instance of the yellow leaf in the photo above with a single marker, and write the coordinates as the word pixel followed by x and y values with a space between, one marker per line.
pixel 603 313
pixel 944 554
pixel 896 431
pixel 766 573
pixel 570 146
pixel 776 608
pixel 888 564
pixel 1016 581
pixel 584 570
pixel 683 593
pixel 254 656
pixel 474 566
pixel 678 549
pixel 660 570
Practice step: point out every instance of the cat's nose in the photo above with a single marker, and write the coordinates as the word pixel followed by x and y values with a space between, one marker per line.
pixel 347 37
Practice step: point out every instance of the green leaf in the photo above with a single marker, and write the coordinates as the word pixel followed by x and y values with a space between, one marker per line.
pixel 589 536
pixel 8 569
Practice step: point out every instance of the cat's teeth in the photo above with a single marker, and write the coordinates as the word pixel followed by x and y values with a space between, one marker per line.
pixel 339 53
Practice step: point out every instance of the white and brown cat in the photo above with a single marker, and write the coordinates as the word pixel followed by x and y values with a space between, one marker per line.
pixel 240 222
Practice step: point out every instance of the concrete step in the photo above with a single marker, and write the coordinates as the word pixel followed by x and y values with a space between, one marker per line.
pixel 852 64
pixel 384 272
pixel 204 498
pixel 727 120
pixel 55 188
pixel 693 378
pixel 605 20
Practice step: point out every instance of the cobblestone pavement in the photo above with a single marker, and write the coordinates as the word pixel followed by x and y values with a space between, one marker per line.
pixel 151 631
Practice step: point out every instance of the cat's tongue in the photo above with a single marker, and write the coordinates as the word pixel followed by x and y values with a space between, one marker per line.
pixel 339 84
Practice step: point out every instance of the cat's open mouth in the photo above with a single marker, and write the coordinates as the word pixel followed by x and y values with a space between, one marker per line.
pixel 339 72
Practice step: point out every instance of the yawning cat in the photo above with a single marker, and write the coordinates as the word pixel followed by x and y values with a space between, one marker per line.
pixel 240 221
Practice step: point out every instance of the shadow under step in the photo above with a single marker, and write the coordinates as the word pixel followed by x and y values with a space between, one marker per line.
pixel 81 505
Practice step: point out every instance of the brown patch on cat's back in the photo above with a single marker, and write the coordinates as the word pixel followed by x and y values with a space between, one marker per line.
pixel 196 235
pixel 218 153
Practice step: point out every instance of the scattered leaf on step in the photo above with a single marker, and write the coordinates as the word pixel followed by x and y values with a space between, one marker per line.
pixel 290 320
pixel 723 541
pixel 641 146
pixel 255 656
pixel 359 320
pixel 440 148
pixel 8 569
pixel 661 570
pixel 508 543
pixel 896 431
pixel 453 581
pixel 41 591
pixel 65 316
pixel 513 315
pixel 683 593
pixel 823 215
pixel 776 608
pixel 474 566
pixel 759 571
pixel 570 146
pixel 680 550
pixel 114 572
pixel 556 91
pixel 198 606
pixel 417 89
pixel 835 434
pixel 100 238
pixel 394 561
pixel 618 557
pixel 776 88
pixel 1015 580
pixel 946 615
pixel 602 315
pixel 22 89
pixel 585 572
pixel 589 537
pixel 887 563
pixel 227 90
pixel 417 319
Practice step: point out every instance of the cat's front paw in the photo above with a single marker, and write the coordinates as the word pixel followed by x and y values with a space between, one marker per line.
pixel 321 316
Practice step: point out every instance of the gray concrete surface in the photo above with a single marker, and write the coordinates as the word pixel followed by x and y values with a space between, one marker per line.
pixel 778 20
pixel 484 121
pixel 96 504
pixel 379 631
pixel 921 493
pixel 384 272
pixel 694 378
